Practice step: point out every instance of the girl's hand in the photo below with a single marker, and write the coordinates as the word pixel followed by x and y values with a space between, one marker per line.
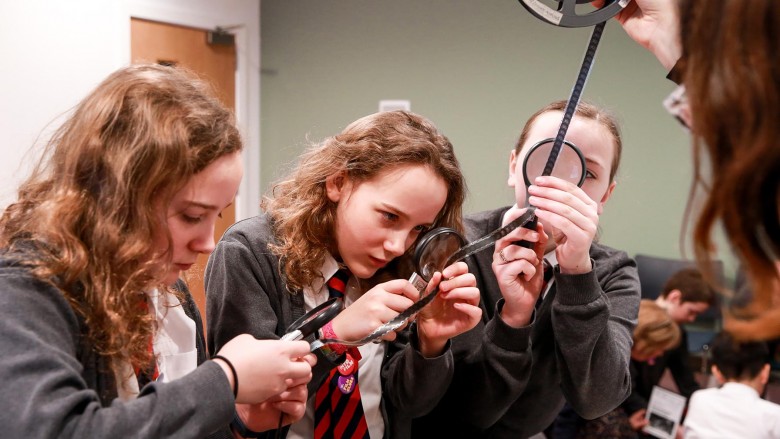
pixel 519 271
pixel 373 309
pixel 266 367
pixel 573 218
pixel 454 311
pixel 291 404
pixel 637 419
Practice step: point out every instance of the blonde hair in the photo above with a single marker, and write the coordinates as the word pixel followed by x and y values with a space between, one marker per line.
pixel 304 217
pixel 655 330
pixel 86 219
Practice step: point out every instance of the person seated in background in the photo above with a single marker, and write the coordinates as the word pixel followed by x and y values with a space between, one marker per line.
pixel 656 333
pixel 685 295
pixel 735 409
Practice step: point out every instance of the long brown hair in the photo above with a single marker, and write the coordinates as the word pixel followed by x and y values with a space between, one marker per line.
pixel 86 219
pixel 304 216
pixel 731 72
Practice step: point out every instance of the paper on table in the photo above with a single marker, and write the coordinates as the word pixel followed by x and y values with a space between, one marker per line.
pixel 664 412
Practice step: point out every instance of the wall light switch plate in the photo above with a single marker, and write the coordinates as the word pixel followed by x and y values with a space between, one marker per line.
pixel 395 104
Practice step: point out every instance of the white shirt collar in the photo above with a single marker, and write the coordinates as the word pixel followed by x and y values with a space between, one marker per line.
pixel 735 388
pixel 174 345
pixel 317 292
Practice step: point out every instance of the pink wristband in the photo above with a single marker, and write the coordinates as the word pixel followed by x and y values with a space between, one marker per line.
pixel 327 332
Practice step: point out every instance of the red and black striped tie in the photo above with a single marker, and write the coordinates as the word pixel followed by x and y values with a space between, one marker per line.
pixel 546 278
pixel 338 411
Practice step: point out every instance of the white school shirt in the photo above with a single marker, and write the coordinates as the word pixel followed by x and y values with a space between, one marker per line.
pixel 173 344
pixel 732 411
pixel 369 366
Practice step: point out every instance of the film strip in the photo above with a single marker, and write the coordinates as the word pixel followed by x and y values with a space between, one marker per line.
pixel 567 18
pixel 462 253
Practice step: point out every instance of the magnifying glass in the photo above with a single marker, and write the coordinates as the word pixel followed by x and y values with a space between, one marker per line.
pixel 432 254
pixel 435 251
pixel 313 320
pixel 569 166
pixel 308 324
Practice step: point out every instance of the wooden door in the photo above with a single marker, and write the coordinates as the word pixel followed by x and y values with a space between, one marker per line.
pixel 188 47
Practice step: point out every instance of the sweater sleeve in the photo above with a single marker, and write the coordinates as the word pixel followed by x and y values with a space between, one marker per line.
pixel 493 361
pixel 192 311
pixel 635 401
pixel 245 294
pixel 45 393
pixel 240 290
pixel 411 383
pixel 594 315
pixel 494 372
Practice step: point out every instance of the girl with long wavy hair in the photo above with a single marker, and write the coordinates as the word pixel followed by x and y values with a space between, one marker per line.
pixel 354 207
pixel 99 337
pixel 726 54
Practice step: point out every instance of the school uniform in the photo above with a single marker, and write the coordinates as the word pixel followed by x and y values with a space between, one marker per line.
pixel 512 382
pixel 56 385
pixel 730 411
pixel 247 294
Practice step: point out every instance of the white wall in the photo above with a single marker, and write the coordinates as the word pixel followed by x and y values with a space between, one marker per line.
pixel 52 53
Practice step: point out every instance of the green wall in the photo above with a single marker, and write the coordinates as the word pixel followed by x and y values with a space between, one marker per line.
pixel 478 69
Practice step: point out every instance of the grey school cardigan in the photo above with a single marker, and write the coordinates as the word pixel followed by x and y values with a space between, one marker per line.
pixel 245 292
pixel 511 382
pixel 55 385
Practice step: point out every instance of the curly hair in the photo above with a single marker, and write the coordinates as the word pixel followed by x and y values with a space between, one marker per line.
pixel 303 215
pixel 90 217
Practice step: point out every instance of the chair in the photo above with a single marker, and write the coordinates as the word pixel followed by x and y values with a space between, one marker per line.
pixel 654 271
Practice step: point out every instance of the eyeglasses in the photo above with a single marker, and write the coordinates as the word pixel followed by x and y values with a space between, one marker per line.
pixel 677 105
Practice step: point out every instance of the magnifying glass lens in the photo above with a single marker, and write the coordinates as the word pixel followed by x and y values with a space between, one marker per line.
pixel 433 251
pixel 568 166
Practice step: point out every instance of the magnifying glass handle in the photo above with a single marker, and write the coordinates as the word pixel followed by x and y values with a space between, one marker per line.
pixel 531 225
pixel 292 336
pixel 418 282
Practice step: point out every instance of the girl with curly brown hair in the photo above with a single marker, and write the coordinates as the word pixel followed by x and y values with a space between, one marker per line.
pixel 99 338
pixel 357 201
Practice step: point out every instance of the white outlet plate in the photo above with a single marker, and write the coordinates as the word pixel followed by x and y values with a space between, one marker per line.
pixel 394 104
